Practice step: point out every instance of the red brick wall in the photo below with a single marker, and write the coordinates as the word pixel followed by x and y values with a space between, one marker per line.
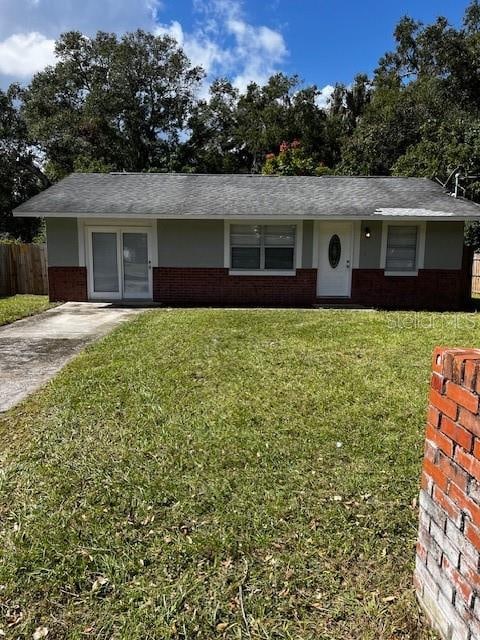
pixel 436 289
pixel 447 577
pixel 67 283
pixel 184 286
pixel 431 289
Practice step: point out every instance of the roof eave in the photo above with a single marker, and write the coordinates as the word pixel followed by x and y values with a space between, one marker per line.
pixel 367 216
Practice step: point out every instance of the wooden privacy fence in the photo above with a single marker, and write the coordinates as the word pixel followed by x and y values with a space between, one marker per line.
pixel 476 274
pixel 23 269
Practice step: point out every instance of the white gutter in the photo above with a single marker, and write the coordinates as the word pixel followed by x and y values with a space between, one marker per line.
pixel 437 216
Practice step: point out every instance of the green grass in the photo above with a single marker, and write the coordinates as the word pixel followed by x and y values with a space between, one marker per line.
pixel 20 306
pixel 199 462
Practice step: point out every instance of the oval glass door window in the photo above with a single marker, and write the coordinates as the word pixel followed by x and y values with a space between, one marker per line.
pixel 334 251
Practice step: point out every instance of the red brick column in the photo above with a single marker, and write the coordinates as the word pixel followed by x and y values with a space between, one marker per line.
pixel 447 577
pixel 67 284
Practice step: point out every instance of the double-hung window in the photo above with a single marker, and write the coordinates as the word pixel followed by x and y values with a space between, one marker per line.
pixel 262 247
pixel 402 243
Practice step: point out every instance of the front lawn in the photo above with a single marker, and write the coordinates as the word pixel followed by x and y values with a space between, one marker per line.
pixel 20 306
pixel 230 474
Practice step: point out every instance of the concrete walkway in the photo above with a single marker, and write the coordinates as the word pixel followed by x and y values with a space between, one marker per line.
pixel 34 349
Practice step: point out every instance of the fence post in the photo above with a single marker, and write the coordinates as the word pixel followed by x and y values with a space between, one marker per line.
pixel 447 577
pixel 11 271
pixel 5 284
pixel 476 273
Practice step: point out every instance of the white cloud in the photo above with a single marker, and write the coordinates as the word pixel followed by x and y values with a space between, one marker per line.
pixel 225 44
pixel 29 27
pixel 200 49
pixel 52 17
pixel 23 54
pixel 323 99
pixel 261 50
pixel 153 6
pixel 222 40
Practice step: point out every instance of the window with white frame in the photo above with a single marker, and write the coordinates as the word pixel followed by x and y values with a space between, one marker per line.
pixel 262 247
pixel 402 242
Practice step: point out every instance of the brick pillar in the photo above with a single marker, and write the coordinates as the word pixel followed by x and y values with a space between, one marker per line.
pixel 447 577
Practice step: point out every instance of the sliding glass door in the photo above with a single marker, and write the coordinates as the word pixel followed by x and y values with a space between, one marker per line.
pixel 135 265
pixel 105 262
pixel 119 263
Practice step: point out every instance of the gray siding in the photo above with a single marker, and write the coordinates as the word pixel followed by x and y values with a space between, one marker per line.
pixel 444 245
pixel 199 243
pixel 307 242
pixel 62 242
pixel 190 243
pixel 370 248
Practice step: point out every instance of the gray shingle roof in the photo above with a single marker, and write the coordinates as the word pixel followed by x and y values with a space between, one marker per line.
pixel 211 196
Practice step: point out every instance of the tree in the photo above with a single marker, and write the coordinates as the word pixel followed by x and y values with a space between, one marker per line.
pixel 212 145
pixel 280 110
pixel 393 122
pixel 350 103
pixel 20 175
pixel 424 111
pixel 438 51
pixel 233 131
pixel 112 102
pixel 293 160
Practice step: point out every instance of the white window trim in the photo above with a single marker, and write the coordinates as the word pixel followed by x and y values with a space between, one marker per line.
pixel 82 256
pixel 422 228
pixel 260 272
pixel 297 252
pixel 356 235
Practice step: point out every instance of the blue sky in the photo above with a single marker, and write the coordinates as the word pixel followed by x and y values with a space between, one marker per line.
pixel 324 41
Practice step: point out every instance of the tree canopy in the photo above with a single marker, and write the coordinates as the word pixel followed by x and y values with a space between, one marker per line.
pixel 134 103
pixel 111 103
pixel 20 173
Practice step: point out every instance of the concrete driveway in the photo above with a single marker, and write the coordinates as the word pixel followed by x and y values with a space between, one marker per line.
pixel 34 349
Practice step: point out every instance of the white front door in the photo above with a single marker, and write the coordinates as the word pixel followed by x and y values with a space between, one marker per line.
pixel 335 244
pixel 119 263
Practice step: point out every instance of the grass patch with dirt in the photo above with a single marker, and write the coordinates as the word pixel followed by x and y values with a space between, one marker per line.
pixel 20 306
pixel 230 474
